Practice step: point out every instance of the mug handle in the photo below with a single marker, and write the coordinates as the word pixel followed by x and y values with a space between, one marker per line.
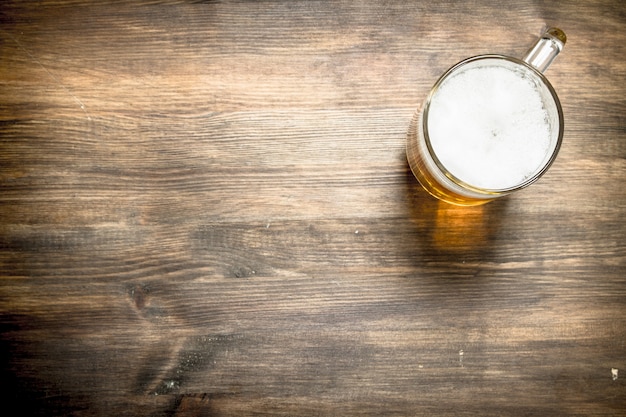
pixel 547 47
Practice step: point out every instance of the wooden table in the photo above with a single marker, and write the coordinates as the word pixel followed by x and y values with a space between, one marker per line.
pixel 205 209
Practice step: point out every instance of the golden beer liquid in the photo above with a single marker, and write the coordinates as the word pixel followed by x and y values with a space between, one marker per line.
pixel 426 180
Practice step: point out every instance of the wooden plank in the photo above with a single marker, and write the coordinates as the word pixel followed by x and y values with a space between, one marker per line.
pixel 205 209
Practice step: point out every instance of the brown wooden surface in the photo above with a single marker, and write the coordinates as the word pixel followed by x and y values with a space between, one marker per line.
pixel 205 209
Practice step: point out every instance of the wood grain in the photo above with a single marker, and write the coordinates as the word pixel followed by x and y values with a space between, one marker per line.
pixel 205 209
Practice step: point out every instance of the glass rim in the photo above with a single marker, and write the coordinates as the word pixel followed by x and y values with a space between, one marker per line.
pixel 464 184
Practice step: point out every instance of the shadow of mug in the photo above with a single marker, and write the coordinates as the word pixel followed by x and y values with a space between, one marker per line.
pixel 446 228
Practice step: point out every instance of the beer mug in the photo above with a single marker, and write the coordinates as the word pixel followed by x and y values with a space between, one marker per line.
pixel 491 125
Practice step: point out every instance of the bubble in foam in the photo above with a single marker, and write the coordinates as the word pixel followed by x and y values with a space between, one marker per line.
pixel 489 127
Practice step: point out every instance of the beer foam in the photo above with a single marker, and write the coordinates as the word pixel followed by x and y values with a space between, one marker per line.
pixel 489 126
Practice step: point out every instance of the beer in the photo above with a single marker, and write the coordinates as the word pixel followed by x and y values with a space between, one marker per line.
pixel 491 125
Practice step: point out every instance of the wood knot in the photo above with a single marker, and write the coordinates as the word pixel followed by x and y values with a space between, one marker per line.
pixel 139 294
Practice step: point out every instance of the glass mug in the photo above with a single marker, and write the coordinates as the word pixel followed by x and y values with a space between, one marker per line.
pixel 491 125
